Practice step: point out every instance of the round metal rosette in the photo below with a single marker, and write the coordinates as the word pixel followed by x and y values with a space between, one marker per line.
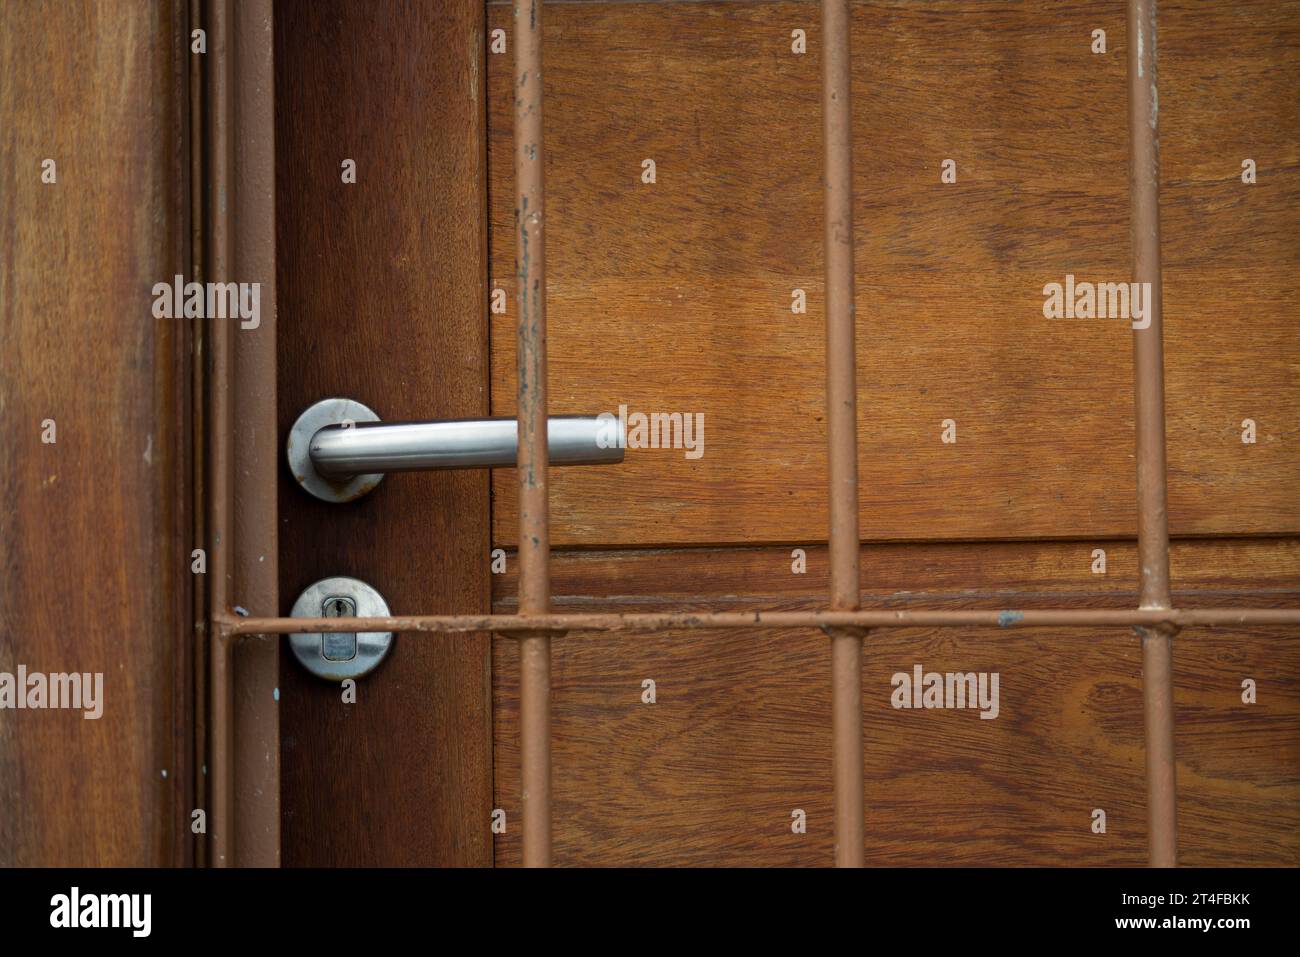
pixel 344 412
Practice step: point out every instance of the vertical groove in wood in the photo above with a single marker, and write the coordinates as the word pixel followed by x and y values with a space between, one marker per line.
pixel 199 652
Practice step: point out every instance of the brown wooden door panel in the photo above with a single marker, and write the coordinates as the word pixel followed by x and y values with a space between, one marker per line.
pixel 739 736
pixel 676 296
pixel 381 300
pixel 94 525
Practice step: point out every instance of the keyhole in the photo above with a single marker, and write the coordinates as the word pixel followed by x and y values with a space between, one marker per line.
pixel 341 646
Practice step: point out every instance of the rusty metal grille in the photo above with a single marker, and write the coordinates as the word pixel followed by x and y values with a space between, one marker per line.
pixel 1155 619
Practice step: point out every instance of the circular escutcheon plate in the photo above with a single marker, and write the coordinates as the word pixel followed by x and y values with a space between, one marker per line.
pixel 298 449
pixel 339 656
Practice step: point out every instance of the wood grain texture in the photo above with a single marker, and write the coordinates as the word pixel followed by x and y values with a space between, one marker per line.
pixel 382 300
pixel 94 529
pixel 740 734
pixel 676 296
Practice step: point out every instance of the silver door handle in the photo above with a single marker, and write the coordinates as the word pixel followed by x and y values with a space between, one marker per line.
pixel 339 450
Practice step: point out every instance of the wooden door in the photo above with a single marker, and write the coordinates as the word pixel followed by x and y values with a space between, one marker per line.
pixel 381 299
pixel 996 448
pixel 680 296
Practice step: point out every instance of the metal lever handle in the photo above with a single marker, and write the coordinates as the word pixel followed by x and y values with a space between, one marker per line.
pixel 339 450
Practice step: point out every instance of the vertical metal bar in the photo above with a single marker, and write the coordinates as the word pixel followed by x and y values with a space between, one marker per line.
pixel 534 533
pixel 221 731
pixel 219 566
pixel 254 549
pixel 535 747
pixel 1149 393
pixel 1158 704
pixel 242 241
pixel 841 400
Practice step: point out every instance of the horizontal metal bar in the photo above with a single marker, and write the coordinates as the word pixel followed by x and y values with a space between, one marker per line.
pixel 339 451
pixel 653 621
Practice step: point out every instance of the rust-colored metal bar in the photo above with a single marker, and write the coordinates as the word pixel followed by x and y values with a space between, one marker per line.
pixel 1158 707
pixel 221 790
pixel 842 436
pixel 221 257
pixel 1148 342
pixel 534 531
pixel 1149 392
pixel 254 546
pixel 848 772
pixel 241 247
pixel 762 620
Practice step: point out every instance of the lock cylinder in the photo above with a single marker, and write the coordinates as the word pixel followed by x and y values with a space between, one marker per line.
pixel 337 656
